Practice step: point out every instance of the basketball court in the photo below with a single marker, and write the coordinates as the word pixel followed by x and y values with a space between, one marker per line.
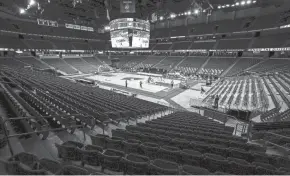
pixel 133 81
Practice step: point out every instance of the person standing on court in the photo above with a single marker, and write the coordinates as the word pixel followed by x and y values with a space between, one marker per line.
pixel 126 83
pixel 172 84
pixel 141 84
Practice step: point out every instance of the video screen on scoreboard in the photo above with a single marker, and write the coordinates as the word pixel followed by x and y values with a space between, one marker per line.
pixel 140 39
pixel 120 38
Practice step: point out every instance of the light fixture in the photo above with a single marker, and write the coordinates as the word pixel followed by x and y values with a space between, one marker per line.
pixel 31 2
pixel 21 11
pixel 172 16
pixel 228 5
pixel 223 6
pixel 233 5
pixel 219 7
pixel 249 2
pixel 243 2
pixel 237 3
pixel 196 11
pixel 161 18
pixel 189 13
pixel 254 1
pixel 204 11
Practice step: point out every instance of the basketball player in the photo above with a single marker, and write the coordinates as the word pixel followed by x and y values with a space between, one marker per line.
pixel 141 84
pixel 126 83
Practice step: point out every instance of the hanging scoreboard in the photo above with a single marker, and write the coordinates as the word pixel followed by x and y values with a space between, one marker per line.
pixel 130 33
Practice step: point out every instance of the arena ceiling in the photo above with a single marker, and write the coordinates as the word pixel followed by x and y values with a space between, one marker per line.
pixel 95 11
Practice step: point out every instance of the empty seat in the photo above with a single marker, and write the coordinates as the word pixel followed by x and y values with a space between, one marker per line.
pixel 266 169
pixel 135 164
pixel 162 167
pixel 240 167
pixel 169 153
pixel 150 149
pixel 215 162
pixel 194 170
pixel 219 150
pixel 239 153
pixel 113 144
pixel 111 159
pixel 99 140
pixel 17 168
pixel 200 146
pixel 68 152
pixel 279 161
pixel 72 170
pixel 191 157
pixel 260 157
pixel 131 146
pixel 50 165
pixel 91 155
pixel 28 159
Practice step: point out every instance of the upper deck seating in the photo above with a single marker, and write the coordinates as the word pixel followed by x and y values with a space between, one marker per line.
pixel 11 42
pixel 162 46
pixel 234 44
pixel 39 44
pixel 62 44
pixel 272 41
pixel 203 44
pixel 181 45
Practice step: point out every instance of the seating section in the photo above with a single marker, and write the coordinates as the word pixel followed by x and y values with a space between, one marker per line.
pixel 181 45
pixel 150 61
pixel 241 93
pixel 59 64
pixel 93 61
pixel 191 64
pixel 216 66
pixel 271 65
pixel 272 41
pixel 162 46
pixel 33 62
pixel 234 44
pixel 11 42
pixel 39 44
pixel 202 45
pixel 169 63
pixel 128 62
pixel 80 64
pixel 241 65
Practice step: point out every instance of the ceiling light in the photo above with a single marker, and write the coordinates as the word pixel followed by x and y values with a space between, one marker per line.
pixel 254 1
pixel 243 2
pixel 204 10
pixel 161 18
pixel 237 3
pixel 219 7
pixel 185 13
pixel 249 2
pixel 172 16
pixel 189 13
pixel 223 6
pixel 233 5
pixel 31 2
pixel 228 5
pixel 21 11
pixel 196 11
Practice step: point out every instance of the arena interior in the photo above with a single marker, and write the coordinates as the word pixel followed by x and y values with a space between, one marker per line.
pixel 144 87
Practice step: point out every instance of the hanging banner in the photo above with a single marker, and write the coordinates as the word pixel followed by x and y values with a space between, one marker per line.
pixel 127 6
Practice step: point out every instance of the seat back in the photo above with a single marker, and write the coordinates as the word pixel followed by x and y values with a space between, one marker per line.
pixel 162 167
pixel 194 170
pixel 136 164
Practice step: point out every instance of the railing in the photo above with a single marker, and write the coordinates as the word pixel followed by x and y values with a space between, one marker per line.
pixel 7 136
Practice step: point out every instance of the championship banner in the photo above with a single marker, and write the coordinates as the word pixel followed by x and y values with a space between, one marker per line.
pixel 127 6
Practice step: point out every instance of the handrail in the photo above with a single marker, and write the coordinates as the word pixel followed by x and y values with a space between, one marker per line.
pixel 3 124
